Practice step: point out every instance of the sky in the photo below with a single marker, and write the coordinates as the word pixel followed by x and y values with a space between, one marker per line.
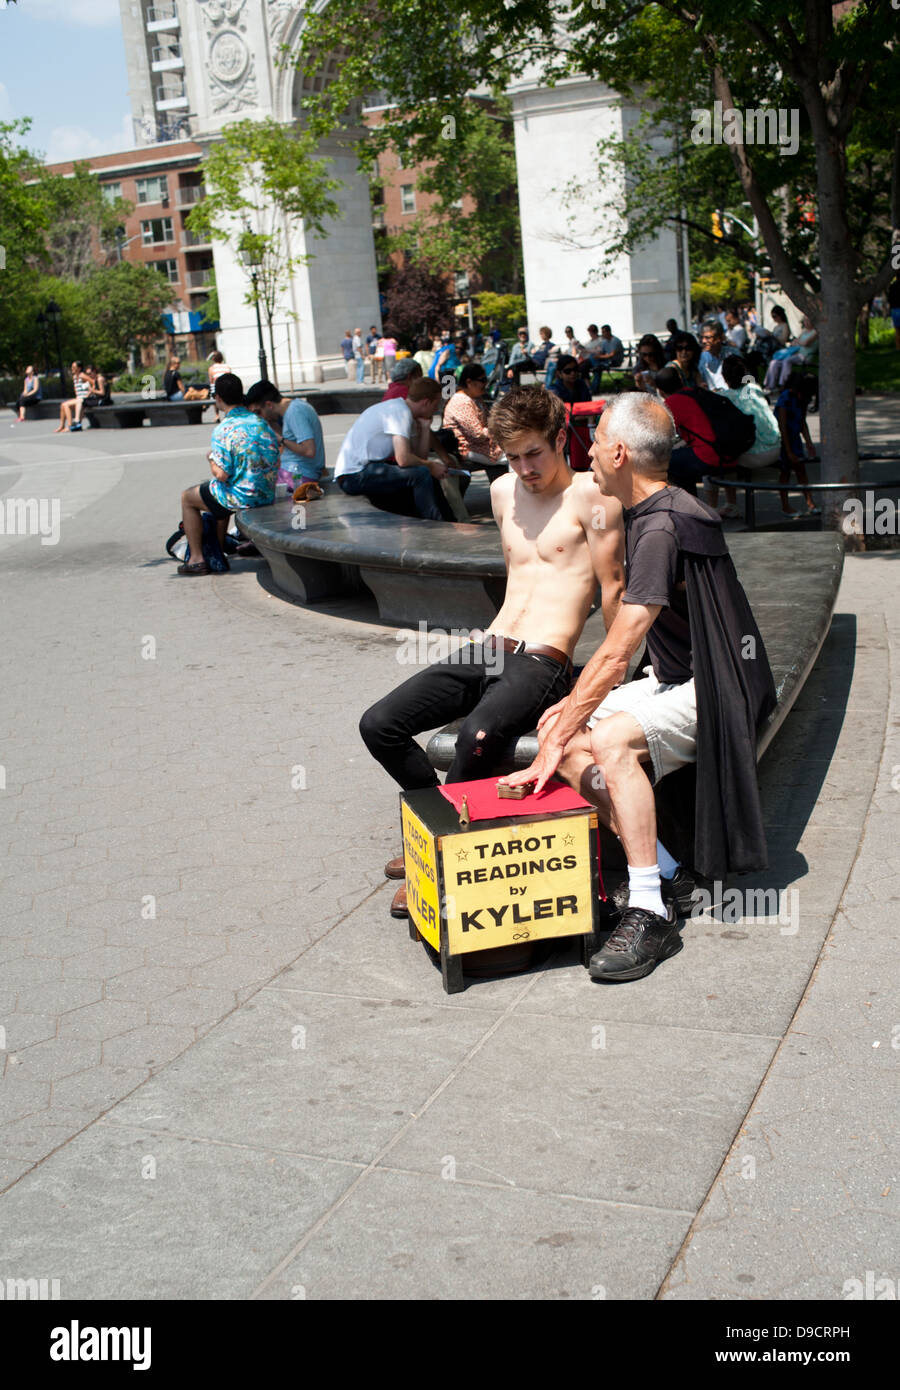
pixel 62 62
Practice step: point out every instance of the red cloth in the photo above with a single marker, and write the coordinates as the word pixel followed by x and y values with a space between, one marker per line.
pixel 694 427
pixel 586 408
pixel 397 388
pixel 485 804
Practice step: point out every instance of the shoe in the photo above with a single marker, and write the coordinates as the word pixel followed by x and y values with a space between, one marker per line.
pixel 398 903
pixel 395 868
pixel 678 890
pixel 190 571
pixel 729 513
pixel 814 511
pixel 637 945
pixel 74 428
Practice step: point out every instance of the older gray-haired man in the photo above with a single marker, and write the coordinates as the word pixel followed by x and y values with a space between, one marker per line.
pixel 705 653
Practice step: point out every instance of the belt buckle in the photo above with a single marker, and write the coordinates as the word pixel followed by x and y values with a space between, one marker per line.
pixel 520 648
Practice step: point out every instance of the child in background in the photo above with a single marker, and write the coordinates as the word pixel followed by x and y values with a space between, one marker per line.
pixel 790 412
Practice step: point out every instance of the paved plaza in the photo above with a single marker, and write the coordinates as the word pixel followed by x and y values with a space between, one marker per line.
pixel 228 1073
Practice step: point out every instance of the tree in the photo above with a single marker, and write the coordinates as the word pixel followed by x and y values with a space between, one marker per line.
pixel 416 303
pixel 126 302
pixel 81 223
pixel 260 176
pixel 23 223
pixel 826 199
pixel 507 311
pixel 473 222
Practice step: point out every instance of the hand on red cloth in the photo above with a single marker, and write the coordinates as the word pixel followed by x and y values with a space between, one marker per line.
pixel 543 767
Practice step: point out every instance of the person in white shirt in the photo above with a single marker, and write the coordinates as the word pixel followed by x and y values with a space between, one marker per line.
pixel 385 455
pixel 735 333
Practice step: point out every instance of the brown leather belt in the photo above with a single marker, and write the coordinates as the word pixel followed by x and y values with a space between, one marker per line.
pixel 509 644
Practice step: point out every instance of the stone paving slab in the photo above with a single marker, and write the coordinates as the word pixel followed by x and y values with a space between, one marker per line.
pixel 408 1236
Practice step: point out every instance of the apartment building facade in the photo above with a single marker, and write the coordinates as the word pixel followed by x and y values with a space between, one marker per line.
pixel 162 183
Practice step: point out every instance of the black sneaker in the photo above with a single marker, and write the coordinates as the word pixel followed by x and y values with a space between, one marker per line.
pixel 640 941
pixel 678 890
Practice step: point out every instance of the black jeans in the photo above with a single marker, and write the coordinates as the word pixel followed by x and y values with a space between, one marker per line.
pixel 385 480
pixel 502 699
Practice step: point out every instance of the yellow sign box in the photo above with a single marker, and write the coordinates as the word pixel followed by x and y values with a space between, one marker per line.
pixel 420 857
pixel 523 881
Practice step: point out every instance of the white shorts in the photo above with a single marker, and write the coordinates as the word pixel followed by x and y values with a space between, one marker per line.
pixel 666 713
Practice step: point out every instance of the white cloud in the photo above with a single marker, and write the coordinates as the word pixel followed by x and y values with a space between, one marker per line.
pixel 90 14
pixel 6 112
pixel 75 142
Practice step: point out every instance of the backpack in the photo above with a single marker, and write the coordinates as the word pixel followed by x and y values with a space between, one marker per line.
pixel 177 547
pixel 734 433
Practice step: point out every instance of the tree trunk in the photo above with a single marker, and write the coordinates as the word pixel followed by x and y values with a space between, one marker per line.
pixel 839 448
pixel 273 374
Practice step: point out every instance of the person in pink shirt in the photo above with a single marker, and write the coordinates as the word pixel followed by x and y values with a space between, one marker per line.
pixel 388 348
pixel 464 414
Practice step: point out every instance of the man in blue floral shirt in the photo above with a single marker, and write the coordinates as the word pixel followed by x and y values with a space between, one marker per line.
pixel 243 460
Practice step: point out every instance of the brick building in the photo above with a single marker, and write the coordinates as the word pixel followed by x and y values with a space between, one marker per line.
pixel 162 183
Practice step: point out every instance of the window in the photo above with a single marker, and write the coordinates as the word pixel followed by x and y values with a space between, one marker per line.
pixel 154 190
pixel 407 198
pixel 169 269
pixel 111 192
pixel 157 230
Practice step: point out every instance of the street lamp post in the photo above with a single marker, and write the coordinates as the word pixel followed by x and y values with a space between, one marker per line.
pixel 54 314
pixel 42 325
pixel 251 260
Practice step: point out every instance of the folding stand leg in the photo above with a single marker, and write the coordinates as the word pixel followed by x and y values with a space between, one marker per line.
pixel 451 971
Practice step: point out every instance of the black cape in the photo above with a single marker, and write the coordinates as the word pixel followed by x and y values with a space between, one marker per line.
pixel 710 812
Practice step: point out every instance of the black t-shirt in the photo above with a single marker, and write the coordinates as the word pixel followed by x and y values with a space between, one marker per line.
pixel 170 383
pixel 654 573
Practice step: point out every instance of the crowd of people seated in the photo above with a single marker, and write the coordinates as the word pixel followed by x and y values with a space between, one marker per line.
pixel 403 460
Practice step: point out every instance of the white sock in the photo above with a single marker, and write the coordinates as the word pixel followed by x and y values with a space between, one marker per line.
pixel 643 889
pixel 668 867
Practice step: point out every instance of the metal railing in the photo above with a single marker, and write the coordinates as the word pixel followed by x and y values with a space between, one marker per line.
pixel 189 193
pixel 195 239
pixel 163 55
pixel 158 14
pixel 199 279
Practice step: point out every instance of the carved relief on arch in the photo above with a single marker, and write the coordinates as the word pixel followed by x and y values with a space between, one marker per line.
pixel 219 12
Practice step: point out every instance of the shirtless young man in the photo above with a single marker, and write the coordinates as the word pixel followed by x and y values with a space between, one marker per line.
pixel 558 544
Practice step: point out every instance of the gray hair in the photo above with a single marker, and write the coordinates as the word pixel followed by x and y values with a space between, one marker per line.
pixel 401 370
pixel 644 426
pixel 714 327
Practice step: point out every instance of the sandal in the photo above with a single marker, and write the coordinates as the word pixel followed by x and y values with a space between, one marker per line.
pixel 190 570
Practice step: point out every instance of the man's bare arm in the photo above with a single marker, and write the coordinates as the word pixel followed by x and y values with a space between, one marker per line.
pixel 306 450
pixel 403 453
pixel 606 669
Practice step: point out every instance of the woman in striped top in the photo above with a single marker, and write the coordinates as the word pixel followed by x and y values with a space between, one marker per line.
pixel 83 386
